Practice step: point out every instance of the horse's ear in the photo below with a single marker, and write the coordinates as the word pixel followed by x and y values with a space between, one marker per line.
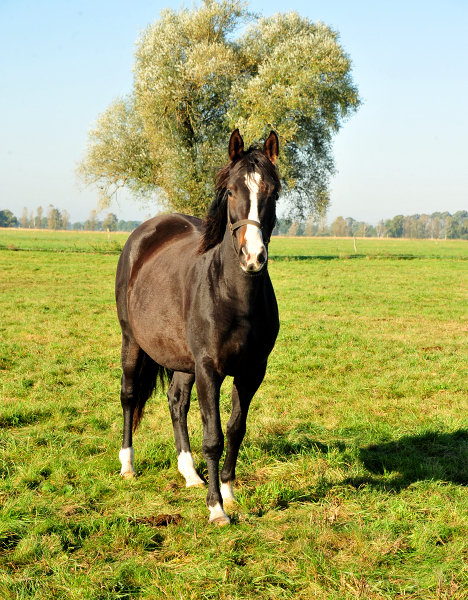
pixel 271 147
pixel 236 146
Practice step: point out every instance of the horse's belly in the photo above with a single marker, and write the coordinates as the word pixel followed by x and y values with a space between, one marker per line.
pixel 154 312
pixel 166 347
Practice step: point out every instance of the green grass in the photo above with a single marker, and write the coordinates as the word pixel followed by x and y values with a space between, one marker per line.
pixel 352 480
pixel 328 248
pixel 282 248
pixel 62 241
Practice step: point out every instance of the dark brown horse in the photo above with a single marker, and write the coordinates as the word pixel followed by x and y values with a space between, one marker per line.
pixel 195 301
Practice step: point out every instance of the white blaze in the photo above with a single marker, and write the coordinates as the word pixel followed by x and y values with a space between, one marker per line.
pixel 186 468
pixel 253 234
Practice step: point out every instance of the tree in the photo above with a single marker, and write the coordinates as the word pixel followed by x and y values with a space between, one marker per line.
pixel 434 228
pixel 407 226
pixel 339 227
pixel 417 229
pixel 381 229
pixel 362 230
pixel 7 219
pixel 194 82
pixel 24 218
pixel 39 213
pixel 322 222
pixel 110 222
pixel 396 227
pixel 282 226
pixel 452 229
pixel 90 224
pixel 65 219
pixel 294 229
pixel 424 220
pixel 54 218
pixel 309 228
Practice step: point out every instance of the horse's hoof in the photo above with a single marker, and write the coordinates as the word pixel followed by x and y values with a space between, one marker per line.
pixel 221 521
pixel 218 516
pixel 198 484
pixel 126 458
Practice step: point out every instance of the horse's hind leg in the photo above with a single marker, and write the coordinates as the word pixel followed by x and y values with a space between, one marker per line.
pixel 130 363
pixel 178 395
pixel 243 391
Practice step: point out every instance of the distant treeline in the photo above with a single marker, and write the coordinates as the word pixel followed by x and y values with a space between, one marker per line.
pixel 438 225
pixel 60 219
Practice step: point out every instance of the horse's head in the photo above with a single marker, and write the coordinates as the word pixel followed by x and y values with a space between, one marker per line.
pixel 252 188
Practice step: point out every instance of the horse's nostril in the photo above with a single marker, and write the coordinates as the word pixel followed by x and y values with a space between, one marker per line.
pixel 261 258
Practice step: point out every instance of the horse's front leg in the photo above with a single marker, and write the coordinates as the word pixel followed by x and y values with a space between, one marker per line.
pixel 208 383
pixel 243 390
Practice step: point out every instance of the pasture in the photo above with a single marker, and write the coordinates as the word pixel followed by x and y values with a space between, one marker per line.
pixel 352 479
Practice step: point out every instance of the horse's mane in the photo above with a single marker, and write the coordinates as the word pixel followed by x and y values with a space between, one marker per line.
pixel 215 221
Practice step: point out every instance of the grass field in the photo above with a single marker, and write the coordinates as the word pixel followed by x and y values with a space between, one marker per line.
pixel 99 242
pixel 352 480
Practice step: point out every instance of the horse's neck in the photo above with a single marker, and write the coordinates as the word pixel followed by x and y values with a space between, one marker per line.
pixel 244 286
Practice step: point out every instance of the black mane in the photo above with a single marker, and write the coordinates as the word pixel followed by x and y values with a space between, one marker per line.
pixel 214 224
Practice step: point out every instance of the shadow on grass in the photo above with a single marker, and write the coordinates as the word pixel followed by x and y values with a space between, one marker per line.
pixel 391 466
pixel 433 455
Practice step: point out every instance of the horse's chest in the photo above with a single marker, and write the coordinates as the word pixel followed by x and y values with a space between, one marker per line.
pixel 239 344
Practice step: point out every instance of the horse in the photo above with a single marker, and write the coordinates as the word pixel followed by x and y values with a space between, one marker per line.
pixel 196 304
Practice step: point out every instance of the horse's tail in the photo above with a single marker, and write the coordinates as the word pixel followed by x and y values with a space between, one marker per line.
pixel 146 382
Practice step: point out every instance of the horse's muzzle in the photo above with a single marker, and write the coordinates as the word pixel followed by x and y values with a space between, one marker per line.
pixel 252 262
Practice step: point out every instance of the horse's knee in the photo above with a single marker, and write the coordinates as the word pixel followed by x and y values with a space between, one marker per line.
pixel 126 390
pixel 213 445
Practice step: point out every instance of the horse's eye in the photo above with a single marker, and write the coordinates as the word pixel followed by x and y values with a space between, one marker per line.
pixel 229 193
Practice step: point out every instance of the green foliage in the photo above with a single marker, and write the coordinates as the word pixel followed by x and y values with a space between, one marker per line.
pixel 54 218
pixel 8 219
pixel 434 226
pixel 395 227
pixel 110 222
pixel 352 479
pixel 194 82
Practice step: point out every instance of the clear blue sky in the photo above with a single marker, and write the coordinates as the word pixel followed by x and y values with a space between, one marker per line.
pixel 62 62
